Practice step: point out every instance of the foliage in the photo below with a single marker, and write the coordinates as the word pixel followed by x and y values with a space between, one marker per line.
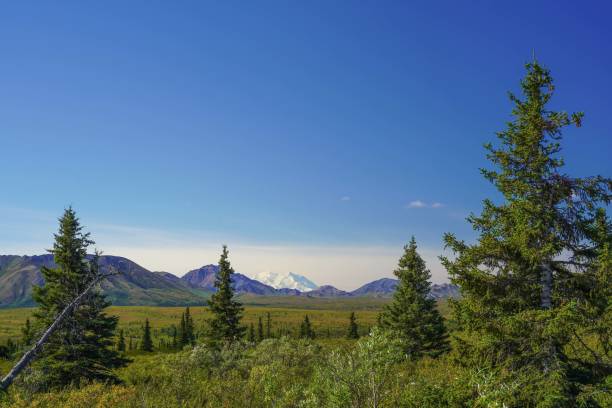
pixel 306 330
pixel 353 330
pixel 227 312
pixel 27 333
pixel 412 314
pixel 146 343
pixel 527 283
pixel 186 329
pixel 121 342
pixel 82 348
pixel 260 330
pixel 359 377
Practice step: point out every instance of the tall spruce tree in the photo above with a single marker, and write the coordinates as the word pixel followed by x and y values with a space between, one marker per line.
pixel 251 335
pixel 260 329
pixel 306 330
pixel 227 312
pixel 175 342
pixel 528 281
pixel 121 342
pixel 189 328
pixel 81 349
pixel 183 337
pixel 353 330
pixel 146 344
pixel 27 333
pixel 412 313
pixel 268 325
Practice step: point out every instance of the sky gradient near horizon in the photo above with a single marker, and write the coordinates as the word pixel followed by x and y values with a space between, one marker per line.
pixel 311 137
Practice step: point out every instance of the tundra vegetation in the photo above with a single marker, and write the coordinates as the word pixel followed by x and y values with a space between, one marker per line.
pixel 532 328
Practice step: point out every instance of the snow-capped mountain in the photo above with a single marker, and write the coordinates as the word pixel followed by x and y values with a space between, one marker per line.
pixel 286 281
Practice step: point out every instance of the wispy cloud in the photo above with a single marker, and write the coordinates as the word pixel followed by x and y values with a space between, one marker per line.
pixel 417 204
pixel 423 204
pixel 345 198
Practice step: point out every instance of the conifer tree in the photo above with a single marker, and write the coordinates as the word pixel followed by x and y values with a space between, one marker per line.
pixel 353 332
pixel 268 325
pixel 306 330
pixel 146 343
pixel 82 348
pixel 527 280
pixel 121 342
pixel 174 338
pixel 227 312
pixel 189 328
pixel 131 344
pixel 183 336
pixel 251 336
pixel 412 313
pixel 27 333
pixel 260 330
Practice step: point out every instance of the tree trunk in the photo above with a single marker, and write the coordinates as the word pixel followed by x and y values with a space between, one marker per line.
pixel 546 280
pixel 30 355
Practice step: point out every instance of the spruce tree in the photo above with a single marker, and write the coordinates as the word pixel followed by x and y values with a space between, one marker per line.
pixel 27 333
pixel 526 283
pixel 189 328
pixel 268 325
pixel 306 330
pixel 227 312
pixel 251 335
pixel 183 335
pixel 82 348
pixel 260 330
pixel 412 314
pixel 353 332
pixel 174 337
pixel 146 343
pixel 121 342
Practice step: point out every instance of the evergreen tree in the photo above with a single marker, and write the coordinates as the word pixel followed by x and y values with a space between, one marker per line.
pixel 183 335
pixel 353 332
pixel 412 313
pixel 306 330
pixel 268 325
pixel 121 342
pixel 27 333
pixel 527 282
pixel 174 338
pixel 81 349
pixel 189 328
pixel 260 330
pixel 131 344
pixel 227 312
pixel 146 343
pixel 251 336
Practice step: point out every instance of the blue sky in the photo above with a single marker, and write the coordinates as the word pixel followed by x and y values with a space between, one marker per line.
pixel 299 133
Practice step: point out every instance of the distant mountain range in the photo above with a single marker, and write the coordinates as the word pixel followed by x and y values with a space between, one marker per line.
pixel 286 281
pixel 135 285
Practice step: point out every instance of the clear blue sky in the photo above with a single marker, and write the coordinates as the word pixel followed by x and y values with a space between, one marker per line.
pixel 271 124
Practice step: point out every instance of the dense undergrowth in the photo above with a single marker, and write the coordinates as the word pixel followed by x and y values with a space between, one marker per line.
pixel 285 372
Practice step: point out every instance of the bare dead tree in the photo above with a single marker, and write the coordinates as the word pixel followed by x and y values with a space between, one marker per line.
pixel 31 354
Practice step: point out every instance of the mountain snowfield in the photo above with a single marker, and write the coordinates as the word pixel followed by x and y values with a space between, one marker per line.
pixel 288 280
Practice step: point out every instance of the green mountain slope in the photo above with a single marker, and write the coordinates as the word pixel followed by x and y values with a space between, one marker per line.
pixel 134 285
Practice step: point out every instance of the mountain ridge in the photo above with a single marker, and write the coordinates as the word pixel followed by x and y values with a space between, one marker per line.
pixel 135 285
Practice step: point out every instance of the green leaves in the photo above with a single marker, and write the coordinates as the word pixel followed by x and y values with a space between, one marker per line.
pixel 527 282
pixel 412 315
pixel 227 312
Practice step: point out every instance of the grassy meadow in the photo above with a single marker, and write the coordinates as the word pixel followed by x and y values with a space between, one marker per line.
pixel 328 316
